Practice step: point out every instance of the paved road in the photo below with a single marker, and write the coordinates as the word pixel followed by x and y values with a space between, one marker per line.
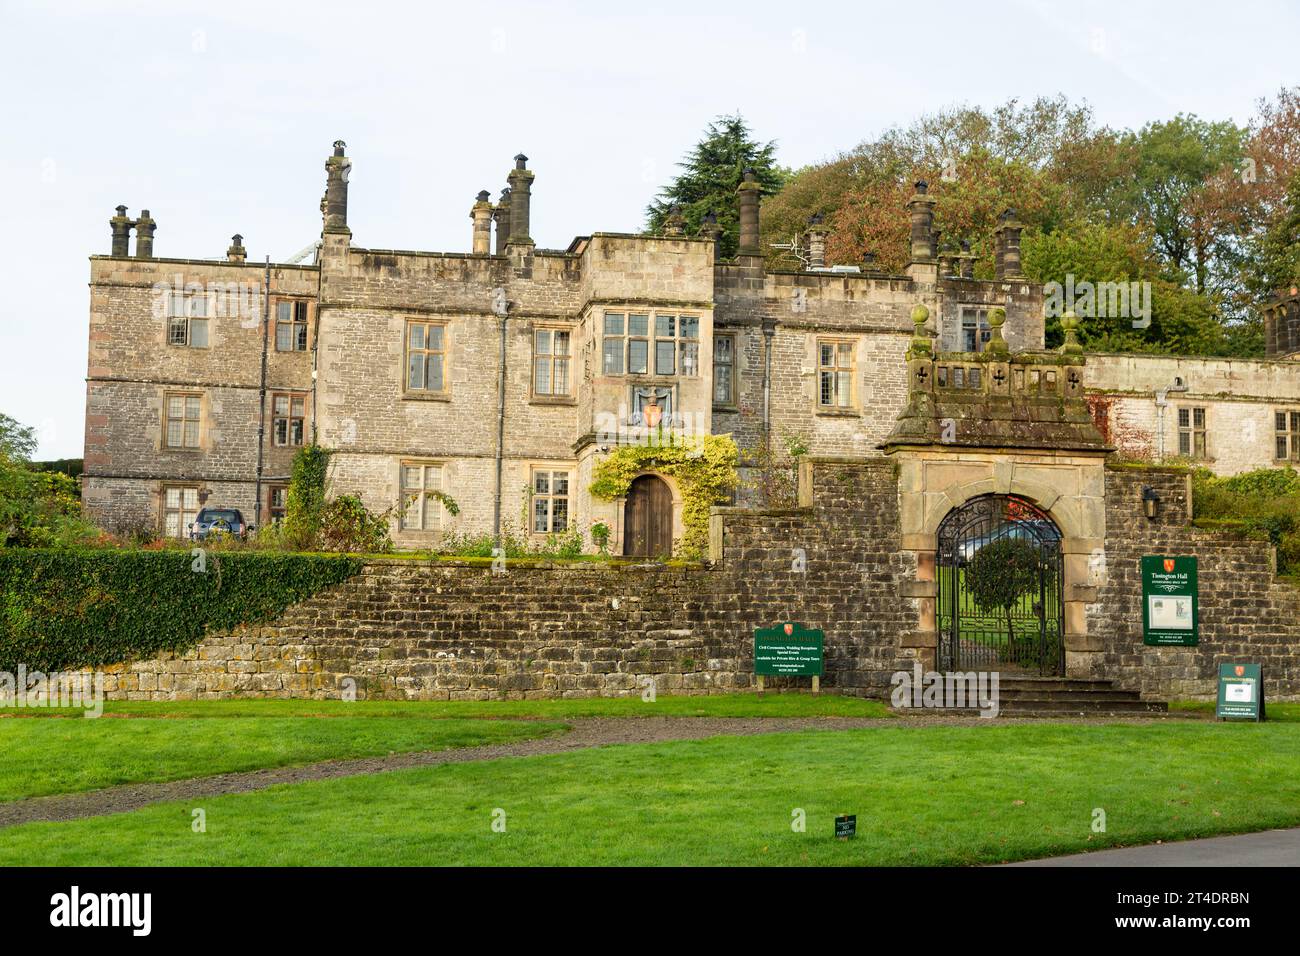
pixel 1270 848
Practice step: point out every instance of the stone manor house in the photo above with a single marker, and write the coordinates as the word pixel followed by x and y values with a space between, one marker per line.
pixel 501 375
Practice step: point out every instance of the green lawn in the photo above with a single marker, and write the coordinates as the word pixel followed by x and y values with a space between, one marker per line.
pixel 923 795
pixel 715 705
pixel 39 757
pixel 1287 712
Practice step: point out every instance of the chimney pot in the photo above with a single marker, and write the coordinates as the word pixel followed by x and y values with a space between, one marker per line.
pixel 144 230
pixel 337 169
pixel 236 252
pixel 521 189
pixel 121 229
pixel 922 187
pixel 748 192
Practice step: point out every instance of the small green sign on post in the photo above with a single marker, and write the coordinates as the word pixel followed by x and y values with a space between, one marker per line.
pixel 788 650
pixel 1241 692
pixel 1170 612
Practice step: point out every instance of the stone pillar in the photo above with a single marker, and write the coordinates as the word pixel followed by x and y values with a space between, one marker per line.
pixel 502 217
pixel 748 192
pixel 236 252
pixel 967 260
pixel 521 188
pixel 948 261
pixel 921 210
pixel 337 170
pixel 481 213
pixel 816 242
pixel 1010 231
pixel 121 227
pixel 144 230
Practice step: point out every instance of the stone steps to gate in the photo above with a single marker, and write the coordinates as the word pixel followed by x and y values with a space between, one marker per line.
pixel 1060 697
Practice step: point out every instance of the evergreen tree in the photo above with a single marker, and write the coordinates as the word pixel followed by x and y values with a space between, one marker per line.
pixel 710 175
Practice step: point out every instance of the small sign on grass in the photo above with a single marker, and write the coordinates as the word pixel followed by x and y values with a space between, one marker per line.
pixel 846 826
pixel 1241 692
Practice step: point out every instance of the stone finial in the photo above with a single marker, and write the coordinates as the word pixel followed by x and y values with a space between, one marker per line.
pixel 675 222
pixel 920 336
pixel 1070 325
pixel 236 252
pixel 997 319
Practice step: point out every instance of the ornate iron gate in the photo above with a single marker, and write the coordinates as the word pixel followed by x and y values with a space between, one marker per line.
pixel 1028 634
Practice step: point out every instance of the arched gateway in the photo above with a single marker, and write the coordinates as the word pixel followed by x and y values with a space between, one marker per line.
pixel 1022 628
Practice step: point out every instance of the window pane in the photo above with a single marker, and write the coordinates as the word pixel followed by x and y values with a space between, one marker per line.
pixel 1279 419
pixel 561 386
pixel 173 525
pixel 284 311
pixel 198 306
pixel 842 388
pixel 415 372
pixel 1281 446
pixel 542 375
pixel 722 384
pixel 613 323
pixel 295 431
pixel 827 393
pixel 665 326
pixel 411 476
pixel 560 514
pixel 190 498
pixel 301 344
pixel 176 304
pixel 722 349
pixel 638 351
pixel 690 358
pixel 828 355
pixel 281 404
pixel 665 357
pixel 298 405
pixel 560 483
pixel 613 356
pixel 191 434
pixel 542 482
pixel 417 336
pixel 638 325
pixel 1184 443
pixel 541 510
pixel 175 407
pixel 690 328
pixel 435 337
pixel 1198 416
pixel 177 332
pixel 542 342
pixel 174 433
pixel 561 343
pixel 283 337
pixel 192 407
pixel 434 380
pixel 1184 418
pixel 845 355
pixel 281 430
pixel 173 497
pixel 1200 444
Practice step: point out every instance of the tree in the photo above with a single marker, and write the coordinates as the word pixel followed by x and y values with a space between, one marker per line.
pixel 17 441
pixel 1001 573
pixel 711 173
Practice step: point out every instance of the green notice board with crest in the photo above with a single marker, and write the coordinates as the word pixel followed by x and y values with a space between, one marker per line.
pixel 1170 602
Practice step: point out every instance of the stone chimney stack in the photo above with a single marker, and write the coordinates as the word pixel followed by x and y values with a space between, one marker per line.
pixel 816 242
pixel 121 227
pixel 1008 234
pixel 337 170
pixel 921 209
pixel 710 229
pixel 675 222
pixel 521 189
pixel 144 230
pixel 482 216
pixel 236 252
pixel 749 192
pixel 501 215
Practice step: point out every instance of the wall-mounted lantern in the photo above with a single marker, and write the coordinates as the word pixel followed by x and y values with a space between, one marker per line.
pixel 1150 502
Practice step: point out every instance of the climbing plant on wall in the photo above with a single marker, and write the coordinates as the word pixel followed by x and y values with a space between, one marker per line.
pixel 703 466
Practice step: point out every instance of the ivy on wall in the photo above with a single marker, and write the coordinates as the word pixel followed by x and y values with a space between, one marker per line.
pixel 62 609
pixel 703 466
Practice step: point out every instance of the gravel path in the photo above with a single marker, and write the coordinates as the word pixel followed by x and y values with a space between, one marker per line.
pixel 587 732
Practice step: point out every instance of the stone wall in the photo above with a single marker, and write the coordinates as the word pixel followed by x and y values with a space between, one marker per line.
pixel 407 629
pixel 1246 613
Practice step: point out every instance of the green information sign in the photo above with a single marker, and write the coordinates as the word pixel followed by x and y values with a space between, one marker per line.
pixel 1241 692
pixel 788 650
pixel 1169 601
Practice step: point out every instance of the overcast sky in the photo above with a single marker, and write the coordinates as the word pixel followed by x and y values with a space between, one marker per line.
pixel 218 117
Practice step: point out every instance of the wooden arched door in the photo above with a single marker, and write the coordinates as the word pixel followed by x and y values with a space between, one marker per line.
pixel 648 518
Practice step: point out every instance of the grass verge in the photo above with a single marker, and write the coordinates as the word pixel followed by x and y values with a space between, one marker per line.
pixel 923 795
pixel 42 757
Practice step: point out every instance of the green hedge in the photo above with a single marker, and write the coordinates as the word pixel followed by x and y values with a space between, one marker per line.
pixel 62 609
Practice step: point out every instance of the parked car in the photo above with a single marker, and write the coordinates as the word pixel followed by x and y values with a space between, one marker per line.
pixel 224 520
